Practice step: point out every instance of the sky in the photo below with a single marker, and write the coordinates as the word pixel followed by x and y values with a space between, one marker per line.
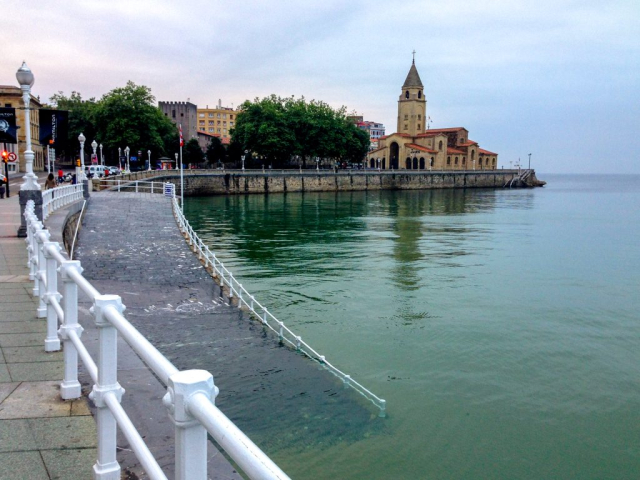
pixel 559 79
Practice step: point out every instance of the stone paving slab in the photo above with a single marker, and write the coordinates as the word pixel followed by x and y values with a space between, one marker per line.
pixel 41 436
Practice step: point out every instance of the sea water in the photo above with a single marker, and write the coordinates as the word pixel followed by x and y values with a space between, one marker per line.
pixel 501 326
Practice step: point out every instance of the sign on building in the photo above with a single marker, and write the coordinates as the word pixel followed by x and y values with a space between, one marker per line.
pixel 8 131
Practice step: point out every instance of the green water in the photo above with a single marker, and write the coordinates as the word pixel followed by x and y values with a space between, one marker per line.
pixel 501 326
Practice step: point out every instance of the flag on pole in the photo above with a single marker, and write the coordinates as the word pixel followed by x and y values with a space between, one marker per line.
pixel 181 139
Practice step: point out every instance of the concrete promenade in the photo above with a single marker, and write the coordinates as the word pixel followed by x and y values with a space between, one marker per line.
pixel 41 436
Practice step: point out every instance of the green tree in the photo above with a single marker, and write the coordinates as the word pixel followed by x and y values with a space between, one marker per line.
pixel 215 151
pixel 284 128
pixel 192 153
pixel 82 119
pixel 123 117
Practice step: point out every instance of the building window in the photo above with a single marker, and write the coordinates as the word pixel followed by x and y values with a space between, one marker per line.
pixel 432 161
pixel 201 122
pixel 201 115
pixel 7 105
pixel 406 127
pixel 440 145
pixel 211 130
pixel 230 117
pixel 218 115
pixel 218 130
pixel 218 122
pixel 407 163
pixel 173 113
pixel 406 95
pixel 182 114
pixel 448 160
pixel 211 122
pixel 419 94
pixel 211 115
pixel 464 160
pixel 419 117
pixel 231 124
pixel 406 117
pixel 224 130
pixel 473 154
pixel 224 115
pixel 224 123
pixel 494 161
pixel 418 126
pixel 456 160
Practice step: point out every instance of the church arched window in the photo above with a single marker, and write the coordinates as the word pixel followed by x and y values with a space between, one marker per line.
pixel 406 95
pixel 418 126
pixel 448 160
pixel 421 163
pixel 407 163
pixel 456 161
pixel 432 161
pixel 473 154
pixel 464 160
pixel 440 145
pixel 419 117
pixel 419 94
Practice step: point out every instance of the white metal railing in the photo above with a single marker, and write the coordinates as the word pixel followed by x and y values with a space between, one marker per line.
pixel 248 301
pixel 137 186
pixel 190 393
pixel 55 198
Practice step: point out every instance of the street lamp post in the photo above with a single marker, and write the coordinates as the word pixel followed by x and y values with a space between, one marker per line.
pixel 529 161
pixel 25 79
pixel 119 155
pixel 317 164
pixel 378 163
pixel 30 189
pixel 94 145
pixel 177 162
pixel 149 153
pixel 126 152
pixel 101 156
pixel 80 174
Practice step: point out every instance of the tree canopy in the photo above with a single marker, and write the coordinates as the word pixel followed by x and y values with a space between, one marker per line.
pixel 281 129
pixel 215 151
pixel 123 117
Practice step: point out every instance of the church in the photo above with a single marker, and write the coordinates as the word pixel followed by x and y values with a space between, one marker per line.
pixel 413 147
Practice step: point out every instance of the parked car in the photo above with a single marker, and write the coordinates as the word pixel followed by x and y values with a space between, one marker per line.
pixel 95 171
pixel 114 170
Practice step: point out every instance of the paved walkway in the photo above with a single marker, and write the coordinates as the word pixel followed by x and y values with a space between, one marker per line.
pixel 41 436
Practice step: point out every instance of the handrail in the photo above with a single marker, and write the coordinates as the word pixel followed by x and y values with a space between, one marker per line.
pixel 186 390
pixel 245 299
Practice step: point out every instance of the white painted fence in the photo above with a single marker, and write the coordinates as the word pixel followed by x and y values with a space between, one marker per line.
pixel 190 393
pixel 58 197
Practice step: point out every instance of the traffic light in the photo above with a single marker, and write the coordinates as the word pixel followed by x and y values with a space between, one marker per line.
pixel 78 162
pixel 5 156
pixel 51 142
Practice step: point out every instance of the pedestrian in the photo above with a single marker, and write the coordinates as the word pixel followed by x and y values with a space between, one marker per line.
pixel 3 179
pixel 50 183
pixel 73 179
pixel 60 176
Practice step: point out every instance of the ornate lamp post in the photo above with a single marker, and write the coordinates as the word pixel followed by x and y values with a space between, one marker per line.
pixel 317 164
pixel 101 156
pixel 149 153
pixel 26 79
pixel 94 145
pixel 30 189
pixel 126 152
pixel 177 161
pixel 119 155
pixel 80 174
pixel 245 154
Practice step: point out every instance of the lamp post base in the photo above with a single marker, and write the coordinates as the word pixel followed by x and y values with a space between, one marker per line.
pixel 25 196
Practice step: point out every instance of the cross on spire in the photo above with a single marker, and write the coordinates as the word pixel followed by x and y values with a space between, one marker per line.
pixel 414 56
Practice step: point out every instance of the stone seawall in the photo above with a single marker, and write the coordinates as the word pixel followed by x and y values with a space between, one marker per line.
pixel 216 182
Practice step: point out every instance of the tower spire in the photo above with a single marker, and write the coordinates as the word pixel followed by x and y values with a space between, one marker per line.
pixel 413 62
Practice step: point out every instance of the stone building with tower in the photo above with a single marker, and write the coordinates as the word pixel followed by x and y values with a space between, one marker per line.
pixel 182 113
pixel 414 147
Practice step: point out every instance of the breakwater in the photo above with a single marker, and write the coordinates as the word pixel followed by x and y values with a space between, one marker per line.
pixel 234 182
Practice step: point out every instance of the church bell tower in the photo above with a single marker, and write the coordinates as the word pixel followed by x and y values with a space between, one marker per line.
pixel 412 106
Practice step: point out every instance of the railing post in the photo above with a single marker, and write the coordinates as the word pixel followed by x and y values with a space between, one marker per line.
pixel 190 435
pixel 51 342
pixel 151 187
pixel 107 466
pixel 70 387
pixel 41 272
pixel 136 186
pixel 33 271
